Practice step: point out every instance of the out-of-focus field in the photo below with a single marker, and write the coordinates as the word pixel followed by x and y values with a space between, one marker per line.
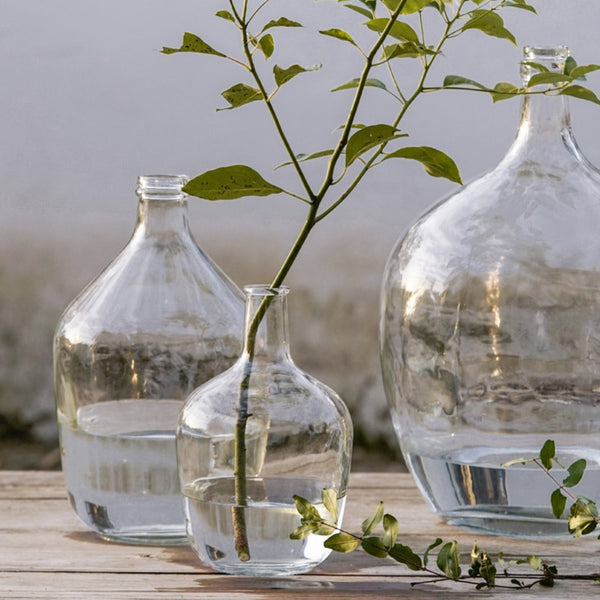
pixel 333 322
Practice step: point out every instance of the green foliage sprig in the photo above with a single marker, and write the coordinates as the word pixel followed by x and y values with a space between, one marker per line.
pixel 398 35
pixel 481 571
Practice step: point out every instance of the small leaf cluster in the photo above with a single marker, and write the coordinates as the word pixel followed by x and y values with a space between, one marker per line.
pixel 482 572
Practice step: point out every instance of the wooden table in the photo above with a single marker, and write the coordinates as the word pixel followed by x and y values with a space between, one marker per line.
pixel 45 553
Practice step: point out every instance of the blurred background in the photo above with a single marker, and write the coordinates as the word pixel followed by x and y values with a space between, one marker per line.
pixel 88 103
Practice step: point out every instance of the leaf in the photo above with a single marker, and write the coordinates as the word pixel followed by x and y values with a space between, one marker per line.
pixel 583 518
pixel 307 510
pixel 368 525
pixel 303 531
pixel 504 91
pixel 282 22
pixel 330 499
pixel 342 542
pixel 192 43
pixel 548 78
pixel 340 34
pixel 547 453
pixel 558 502
pixel 240 94
pixel 365 12
pixel 410 7
pixel 490 23
pixel 368 137
pixel 229 183
pixel 583 93
pixel 375 547
pixel 304 157
pixel 581 71
pixel 521 4
pixel 570 64
pixel 404 555
pixel 224 14
pixel 390 526
pixel 448 560
pixel 535 562
pixel 431 546
pixel 456 80
pixel 516 461
pixel 354 84
pixel 576 471
pixel 267 45
pixel 399 30
pixel 406 50
pixel 436 162
pixel 284 75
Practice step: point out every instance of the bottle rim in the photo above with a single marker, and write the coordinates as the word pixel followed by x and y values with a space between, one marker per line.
pixel 265 290
pixel 161 187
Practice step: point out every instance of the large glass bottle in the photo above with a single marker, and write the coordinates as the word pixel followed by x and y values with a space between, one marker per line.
pixel 490 328
pixel 161 319
pixel 297 440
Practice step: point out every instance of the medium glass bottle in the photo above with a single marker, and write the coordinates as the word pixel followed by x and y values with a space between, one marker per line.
pixel 490 328
pixel 297 440
pixel 161 319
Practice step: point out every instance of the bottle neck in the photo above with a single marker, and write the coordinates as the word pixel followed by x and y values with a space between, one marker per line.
pixel 269 340
pixel 162 218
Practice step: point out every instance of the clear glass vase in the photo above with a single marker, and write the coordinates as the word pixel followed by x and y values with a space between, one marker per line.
pixel 160 320
pixel 296 436
pixel 490 328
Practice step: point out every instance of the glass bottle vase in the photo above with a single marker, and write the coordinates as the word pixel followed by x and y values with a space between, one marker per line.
pixel 161 319
pixel 296 436
pixel 490 328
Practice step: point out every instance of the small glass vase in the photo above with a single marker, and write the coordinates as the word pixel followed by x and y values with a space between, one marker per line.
pixel 160 320
pixel 297 439
pixel 490 328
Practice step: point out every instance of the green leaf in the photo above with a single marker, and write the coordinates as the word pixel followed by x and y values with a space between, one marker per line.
pixel 304 157
pixel 404 555
pixel 240 94
pixel 583 518
pixel 369 137
pixel 410 7
pixel 303 531
pixel 399 30
pixel 368 525
pixel 282 22
pixel 330 501
pixel 365 12
pixel 570 64
pixel 558 502
pixel 448 560
pixel 490 23
pixel 583 93
pixel 521 4
pixel 516 461
pixel 224 14
pixel 284 75
pixel 504 91
pixel 229 183
pixel 436 162
pixel 390 526
pixel 576 471
pixel 267 45
pixel 431 546
pixel 406 50
pixel 192 43
pixel 547 453
pixel 375 547
pixel 458 80
pixel 340 34
pixel 548 78
pixel 354 84
pixel 307 510
pixel 535 562
pixel 342 542
pixel 582 71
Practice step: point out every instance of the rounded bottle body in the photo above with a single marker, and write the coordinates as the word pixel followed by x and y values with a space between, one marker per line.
pixel 490 330
pixel 296 440
pixel 157 322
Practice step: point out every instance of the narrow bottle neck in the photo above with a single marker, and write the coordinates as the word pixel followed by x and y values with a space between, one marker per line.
pixel 268 341
pixel 162 218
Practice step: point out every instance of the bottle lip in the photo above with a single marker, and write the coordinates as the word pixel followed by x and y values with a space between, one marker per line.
pixel 265 290
pixel 161 187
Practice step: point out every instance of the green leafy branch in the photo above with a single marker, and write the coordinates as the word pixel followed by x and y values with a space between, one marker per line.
pixel 583 513
pixel 481 571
